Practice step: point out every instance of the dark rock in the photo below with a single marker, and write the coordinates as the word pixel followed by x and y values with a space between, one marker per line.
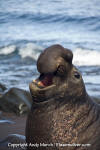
pixel 15 100
pixel 2 87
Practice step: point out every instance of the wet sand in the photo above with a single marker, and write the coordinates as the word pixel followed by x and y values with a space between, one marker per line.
pixel 16 127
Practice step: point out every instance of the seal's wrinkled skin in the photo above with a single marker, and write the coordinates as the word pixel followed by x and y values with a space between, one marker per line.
pixel 62 112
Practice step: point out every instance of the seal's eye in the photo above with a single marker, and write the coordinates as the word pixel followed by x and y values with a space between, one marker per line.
pixel 77 75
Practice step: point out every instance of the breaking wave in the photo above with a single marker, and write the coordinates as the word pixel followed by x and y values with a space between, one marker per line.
pixel 82 57
pixel 85 57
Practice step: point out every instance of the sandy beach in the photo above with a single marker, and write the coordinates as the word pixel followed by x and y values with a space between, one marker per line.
pixel 16 127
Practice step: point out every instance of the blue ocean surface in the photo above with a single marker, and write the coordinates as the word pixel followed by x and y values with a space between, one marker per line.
pixel 29 26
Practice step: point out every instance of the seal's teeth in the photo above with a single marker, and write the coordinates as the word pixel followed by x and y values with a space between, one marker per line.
pixel 34 81
pixel 40 83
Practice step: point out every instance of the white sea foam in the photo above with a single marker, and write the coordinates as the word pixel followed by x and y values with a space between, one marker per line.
pixel 6 121
pixel 30 50
pixel 85 57
pixel 18 136
pixel 7 50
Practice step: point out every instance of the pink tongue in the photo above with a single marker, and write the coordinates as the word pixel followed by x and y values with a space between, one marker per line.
pixel 47 80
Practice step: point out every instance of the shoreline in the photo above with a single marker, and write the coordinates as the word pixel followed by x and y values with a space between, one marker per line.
pixel 16 127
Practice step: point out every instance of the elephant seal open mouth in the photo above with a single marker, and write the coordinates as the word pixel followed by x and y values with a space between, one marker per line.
pixel 62 112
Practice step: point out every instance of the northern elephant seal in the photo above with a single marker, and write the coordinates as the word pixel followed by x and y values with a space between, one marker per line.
pixel 63 116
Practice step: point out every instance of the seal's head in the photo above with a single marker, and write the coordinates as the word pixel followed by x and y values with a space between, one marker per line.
pixel 58 77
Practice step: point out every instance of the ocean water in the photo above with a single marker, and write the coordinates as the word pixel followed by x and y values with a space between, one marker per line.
pixel 29 26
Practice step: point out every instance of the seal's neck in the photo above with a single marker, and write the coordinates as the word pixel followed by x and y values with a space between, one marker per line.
pixel 71 103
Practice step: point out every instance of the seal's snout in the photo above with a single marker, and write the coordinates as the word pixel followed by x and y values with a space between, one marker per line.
pixel 52 56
